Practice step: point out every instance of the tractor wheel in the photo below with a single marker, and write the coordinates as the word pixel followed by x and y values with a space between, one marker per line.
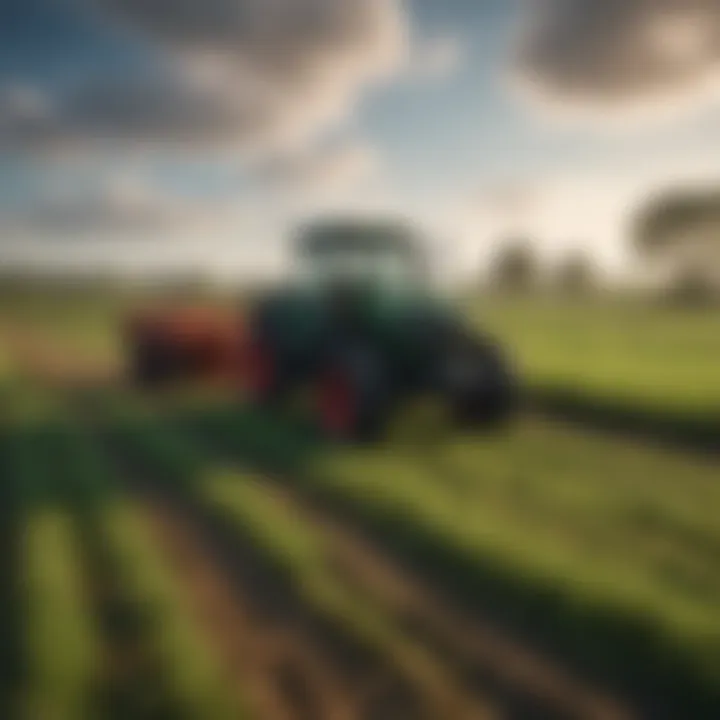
pixel 480 386
pixel 352 398
pixel 151 365
pixel 261 373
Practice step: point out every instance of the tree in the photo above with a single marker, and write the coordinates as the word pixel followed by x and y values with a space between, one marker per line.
pixel 681 230
pixel 575 274
pixel 692 288
pixel 515 267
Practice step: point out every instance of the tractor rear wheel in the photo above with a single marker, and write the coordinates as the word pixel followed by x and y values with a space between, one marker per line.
pixel 353 398
pixel 261 374
pixel 152 365
pixel 264 374
pixel 480 386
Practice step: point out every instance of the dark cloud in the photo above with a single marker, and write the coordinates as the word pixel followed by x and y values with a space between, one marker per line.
pixel 619 52
pixel 336 168
pixel 119 207
pixel 229 73
pixel 280 39
pixel 162 113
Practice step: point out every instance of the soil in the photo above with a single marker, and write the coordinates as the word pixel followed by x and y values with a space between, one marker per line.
pixel 290 664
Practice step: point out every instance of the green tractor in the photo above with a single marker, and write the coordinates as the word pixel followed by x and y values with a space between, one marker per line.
pixel 360 327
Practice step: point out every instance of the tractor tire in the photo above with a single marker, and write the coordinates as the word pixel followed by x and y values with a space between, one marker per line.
pixel 480 386
pixel 152 365
pixel 262 375
pixel 353 395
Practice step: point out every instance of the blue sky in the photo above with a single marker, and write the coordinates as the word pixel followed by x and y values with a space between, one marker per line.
pixel 120 122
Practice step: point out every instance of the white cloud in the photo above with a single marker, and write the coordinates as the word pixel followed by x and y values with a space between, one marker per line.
pixel 438 58
pixel 122 205
pixel 628 57
pixel 235 74
pixel 333 169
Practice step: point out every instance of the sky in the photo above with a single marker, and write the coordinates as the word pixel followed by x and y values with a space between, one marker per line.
pixel 154 134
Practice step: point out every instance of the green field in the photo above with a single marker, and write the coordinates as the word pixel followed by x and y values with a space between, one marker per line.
pixel 183 557
pixel 637 361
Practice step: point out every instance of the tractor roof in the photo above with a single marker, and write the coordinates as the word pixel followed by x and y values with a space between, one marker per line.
pixel 348 235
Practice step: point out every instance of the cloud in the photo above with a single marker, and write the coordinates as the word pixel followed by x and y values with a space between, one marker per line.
pixel 233 74
pixel 112 209
pixel 619 55
pixel 278 40
pixel 98 203
pixel 338 167
pixel 136 112
pixel 121 205
pixel 438 58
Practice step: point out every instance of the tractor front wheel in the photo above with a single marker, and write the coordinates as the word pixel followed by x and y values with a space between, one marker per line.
pixel 481 386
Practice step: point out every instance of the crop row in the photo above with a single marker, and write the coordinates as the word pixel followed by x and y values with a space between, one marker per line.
pixel 295 552
pixel 77 533
pixel 61 649
pixel 188 671
pixel 605 550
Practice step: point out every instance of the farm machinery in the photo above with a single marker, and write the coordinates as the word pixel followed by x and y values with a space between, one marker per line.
pixel 183 344
pixel 358 326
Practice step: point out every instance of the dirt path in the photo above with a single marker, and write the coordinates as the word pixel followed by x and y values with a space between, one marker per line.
pixel 524 683
pixel 289 663
pixel 275 663
pixel 292 669
pixel 521 683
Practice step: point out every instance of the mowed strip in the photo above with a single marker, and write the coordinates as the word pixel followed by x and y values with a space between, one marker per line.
pixel 643 353
pixel 631 365
pixel 277 662
pixel 604 550
pixel 160 664
pixel 266 639
pixel 520 681
pixel 61 647
pixel 297 555
pixel 85 548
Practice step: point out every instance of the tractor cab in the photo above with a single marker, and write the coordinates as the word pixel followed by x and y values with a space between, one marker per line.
pixel 355 258
pixel 362 272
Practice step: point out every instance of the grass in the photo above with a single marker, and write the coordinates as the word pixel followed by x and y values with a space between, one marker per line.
pixel 607 552
pixel 188 671
pixel 61 651
pixel 77 530
pixel 604 551
pixel 80 323
pixel 623 359
pixel 287 544
pixel 187 677
pixel 290 544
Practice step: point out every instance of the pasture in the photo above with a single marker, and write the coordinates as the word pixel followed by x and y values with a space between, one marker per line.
pixel 628 363
pixel 183 557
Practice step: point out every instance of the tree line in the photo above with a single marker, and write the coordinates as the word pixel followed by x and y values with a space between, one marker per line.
pixel 675 237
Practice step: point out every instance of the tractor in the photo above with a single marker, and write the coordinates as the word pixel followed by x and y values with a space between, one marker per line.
pixel 361 328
